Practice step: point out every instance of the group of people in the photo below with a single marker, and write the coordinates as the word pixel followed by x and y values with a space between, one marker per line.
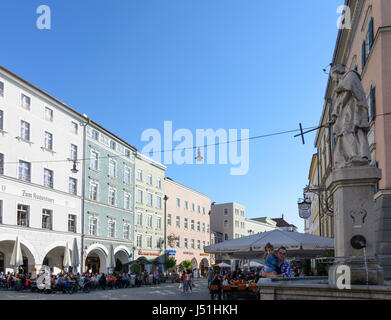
pixel 69 282
pixel 276 266
pixel 187 281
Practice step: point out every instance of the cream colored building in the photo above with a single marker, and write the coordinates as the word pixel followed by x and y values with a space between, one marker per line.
pixel 149 212
pixel 259 225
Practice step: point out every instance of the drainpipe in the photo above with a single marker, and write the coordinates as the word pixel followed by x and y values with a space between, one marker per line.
pixel 83 190
pixel 319 197
pixel 165 229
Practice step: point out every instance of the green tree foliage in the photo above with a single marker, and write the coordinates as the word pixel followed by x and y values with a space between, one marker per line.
pixel 170 263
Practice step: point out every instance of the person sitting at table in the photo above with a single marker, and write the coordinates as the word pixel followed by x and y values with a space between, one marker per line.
pixel 225 281
pixel 216 282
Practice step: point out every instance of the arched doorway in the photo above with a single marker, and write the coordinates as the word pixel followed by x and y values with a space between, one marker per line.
pixel 194 263
pixel 121 261
pixel 6 247
pixel 204 265
pixel 96 260
pixel 54 259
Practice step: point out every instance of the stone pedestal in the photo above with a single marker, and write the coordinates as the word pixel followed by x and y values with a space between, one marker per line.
pixel 355 223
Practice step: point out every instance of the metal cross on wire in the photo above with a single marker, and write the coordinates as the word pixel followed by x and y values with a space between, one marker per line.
pixel 328 125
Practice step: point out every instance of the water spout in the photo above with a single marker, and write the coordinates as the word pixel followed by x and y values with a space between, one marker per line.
pixel 365 262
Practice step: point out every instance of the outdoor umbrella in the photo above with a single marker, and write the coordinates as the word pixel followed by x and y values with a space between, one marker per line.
pixel 111 262
pixel 16 257
pixel 75 257
pixel 296 243
pixel 253 264
pixel 223 265
pixel 67 258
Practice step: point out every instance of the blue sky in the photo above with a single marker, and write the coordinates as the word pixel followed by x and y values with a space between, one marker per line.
pixel 130 65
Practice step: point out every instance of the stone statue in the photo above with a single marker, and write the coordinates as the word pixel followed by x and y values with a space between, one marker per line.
pixel 350 117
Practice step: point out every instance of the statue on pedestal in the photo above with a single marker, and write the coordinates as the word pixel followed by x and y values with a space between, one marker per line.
pixel 350 117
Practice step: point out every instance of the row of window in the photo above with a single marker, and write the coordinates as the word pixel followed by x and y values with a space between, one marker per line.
pixel 139 220
pixel 112 143
pixel 93 221
pixel 112 195
pixel 25 102
pixel 148 238
pixel 186 206
pixel 149 179
pixel 23 217
pixel 113 172
pixel 140 199
pixel 24 173
pixel 186 223
pixel 192 244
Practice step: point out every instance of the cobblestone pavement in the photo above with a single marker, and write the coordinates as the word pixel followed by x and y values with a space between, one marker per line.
pixel 166 291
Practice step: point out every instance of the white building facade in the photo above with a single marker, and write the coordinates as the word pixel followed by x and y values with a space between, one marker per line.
pixel 40 197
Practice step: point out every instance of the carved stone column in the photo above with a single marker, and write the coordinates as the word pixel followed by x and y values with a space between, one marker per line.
pixel 354 223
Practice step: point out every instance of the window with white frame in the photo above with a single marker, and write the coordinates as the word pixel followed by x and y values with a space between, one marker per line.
pixel 24 170
pixel 192 224
pixel 186 223
pixel 159 183
pixel 186 204
pixel 25 130
pixel 23 215
pixel 126 232
pixel 127 175
pixel 1 120
pixel 158 202
pixel 73 152
pixel 198 209
pixel 126 200
pixel 178 242
pixel 74 127
pixel 178 202
pixel 71 223
pixel 192 243
pixel 111 228
pixel 192 207
pixel 112 196
pixel 159 243
pixel 150 199
pixel 48 114
pixel 1 163
pixel 94 190
pixel 139 196
pixel 207 228
pixel 159 223
pixel 139 242
pixel 95 135
pixel 198 244
pixel 94 160
pixel 25 101
pixel 92 225
pixel 48 178
pixel 47 219
pixel 139 175
pixel 185 244
pixel 73 186
pixel 149 221
pixel 149 179
pixel 169 219
pixel 127 153
pixel 178 222
pixel 226 211
pixel 112 168
pixel 203 227
pixel 112 144
pixel 149 241
pixel 236 224
pixel 203 210
pixel 139 218
pixel 198 226
pixel 1 89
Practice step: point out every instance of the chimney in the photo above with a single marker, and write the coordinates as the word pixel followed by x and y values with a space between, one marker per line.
pixel 282 216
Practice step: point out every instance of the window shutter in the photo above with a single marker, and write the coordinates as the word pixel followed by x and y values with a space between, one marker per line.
pixel 370 34
pixel 372 106
pixel 363 55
